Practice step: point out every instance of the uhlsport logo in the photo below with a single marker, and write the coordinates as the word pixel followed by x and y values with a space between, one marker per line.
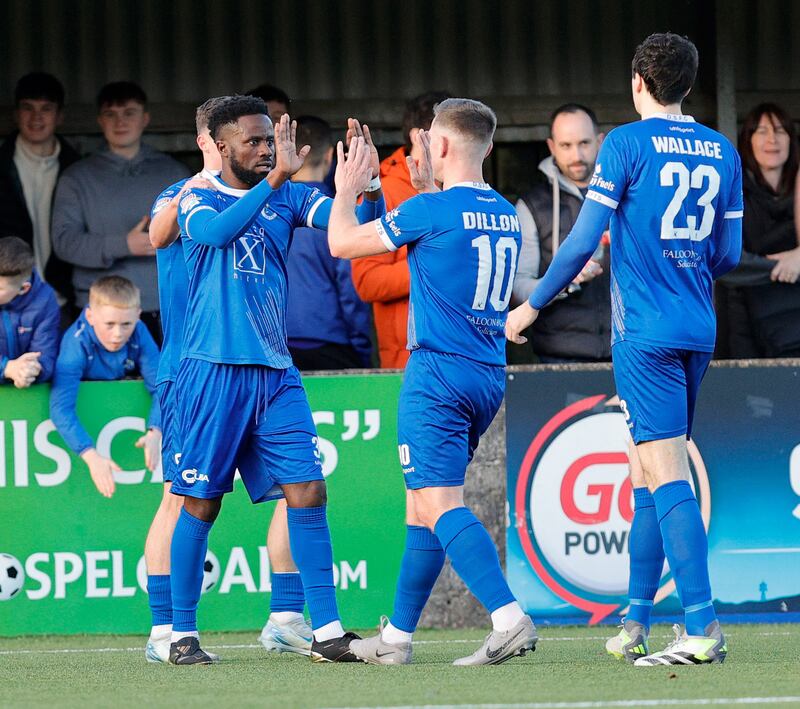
pixel 574 506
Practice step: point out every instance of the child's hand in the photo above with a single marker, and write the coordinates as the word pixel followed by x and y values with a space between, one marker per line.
pixel 151 442
pixel 102 471
pixel 24 369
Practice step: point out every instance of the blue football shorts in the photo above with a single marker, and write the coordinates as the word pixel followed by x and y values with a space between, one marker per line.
pixel 169 443
pixel 248 417
pixel 446 404
pixel 658 388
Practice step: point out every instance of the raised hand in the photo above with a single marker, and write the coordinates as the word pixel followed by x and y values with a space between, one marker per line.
pixel 288 160
pixel 353 173
pixel 357 130
pixel 422 171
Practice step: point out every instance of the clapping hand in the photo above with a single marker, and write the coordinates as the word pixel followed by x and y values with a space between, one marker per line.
pixel 353 173
pixel 357 130
pixel 288 160
pixel 422 171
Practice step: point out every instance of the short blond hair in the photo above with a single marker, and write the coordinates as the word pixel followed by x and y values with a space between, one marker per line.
pixel 116 291
pixel 471 119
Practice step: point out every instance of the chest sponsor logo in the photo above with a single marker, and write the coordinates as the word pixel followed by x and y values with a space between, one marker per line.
pixel 574 506
pixel 249 255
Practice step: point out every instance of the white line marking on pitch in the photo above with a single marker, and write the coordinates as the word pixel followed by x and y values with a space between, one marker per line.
pixel 76 651
pixel 716 701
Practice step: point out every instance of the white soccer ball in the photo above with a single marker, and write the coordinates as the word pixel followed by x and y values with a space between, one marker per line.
pixel 210 571
pixel 12 577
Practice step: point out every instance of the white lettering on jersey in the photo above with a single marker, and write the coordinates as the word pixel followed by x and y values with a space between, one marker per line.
pixel 490 222
pixel 687 146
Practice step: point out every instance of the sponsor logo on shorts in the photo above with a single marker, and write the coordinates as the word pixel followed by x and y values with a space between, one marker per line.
pixel 573 505
pixel 191 476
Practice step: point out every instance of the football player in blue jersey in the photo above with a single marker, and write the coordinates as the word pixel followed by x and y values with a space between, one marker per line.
pixel 285 630
pixel 672 189
pixel 463 244
pixel 242 403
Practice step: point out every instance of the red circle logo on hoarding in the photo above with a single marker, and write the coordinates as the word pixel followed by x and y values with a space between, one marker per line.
pixel 574 506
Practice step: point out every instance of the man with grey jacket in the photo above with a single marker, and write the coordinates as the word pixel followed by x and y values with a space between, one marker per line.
pixel 102 203
pixel 577 326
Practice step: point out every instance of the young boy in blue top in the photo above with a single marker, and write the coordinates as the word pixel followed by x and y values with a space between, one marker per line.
pixel 672 190
pixel 29 318
pixel 107 342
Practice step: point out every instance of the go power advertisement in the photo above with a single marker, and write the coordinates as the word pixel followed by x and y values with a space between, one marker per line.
pixel 570 501
pixel 71 561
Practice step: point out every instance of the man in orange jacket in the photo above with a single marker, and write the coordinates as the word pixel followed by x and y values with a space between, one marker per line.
pixel 383 280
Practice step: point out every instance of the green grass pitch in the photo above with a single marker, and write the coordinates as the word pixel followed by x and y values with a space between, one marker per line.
pixel 569 670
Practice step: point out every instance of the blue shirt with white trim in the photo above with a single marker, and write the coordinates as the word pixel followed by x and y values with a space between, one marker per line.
pixel 463 248
pixel 673 189
pixel 236 307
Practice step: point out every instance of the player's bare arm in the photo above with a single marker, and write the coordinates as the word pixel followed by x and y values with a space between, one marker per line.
pixel 346 237
pixel 422 171
pixel 164 225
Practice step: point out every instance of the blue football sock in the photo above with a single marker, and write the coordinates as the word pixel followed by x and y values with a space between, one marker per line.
pixel 187 556
pixel 422 561
pixel 310 541
pixel 474 557
pixel 287 593
pixel 686 546
pixel 647 557
pixel 159 596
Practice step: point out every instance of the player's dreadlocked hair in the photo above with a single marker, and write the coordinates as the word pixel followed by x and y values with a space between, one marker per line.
pixel 231 109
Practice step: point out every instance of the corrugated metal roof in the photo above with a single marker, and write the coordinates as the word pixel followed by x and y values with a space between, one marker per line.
pixel 374 54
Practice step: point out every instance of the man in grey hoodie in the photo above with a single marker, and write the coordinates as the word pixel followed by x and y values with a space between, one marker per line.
pixel 102 203
pixel 577 326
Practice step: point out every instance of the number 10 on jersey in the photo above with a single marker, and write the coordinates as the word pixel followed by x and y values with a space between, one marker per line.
pixel 503 261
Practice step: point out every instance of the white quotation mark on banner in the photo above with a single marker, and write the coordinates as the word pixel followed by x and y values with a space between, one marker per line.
pixel 352 420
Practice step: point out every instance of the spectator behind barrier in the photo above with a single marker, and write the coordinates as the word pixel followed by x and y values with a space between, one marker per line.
pixel 577 326
pixel 107 342
pixel 759 302
pixel 102 203
pixel 30 317
pixel 328 325
pixel 383 280
pixel 31 160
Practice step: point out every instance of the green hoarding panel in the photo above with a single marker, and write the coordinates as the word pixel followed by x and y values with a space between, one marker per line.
pixel 81 554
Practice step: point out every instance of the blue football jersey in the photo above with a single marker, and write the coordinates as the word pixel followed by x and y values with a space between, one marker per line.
pixel 173 284
pixel 671 182
pixel 236 309
pixel 463 247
